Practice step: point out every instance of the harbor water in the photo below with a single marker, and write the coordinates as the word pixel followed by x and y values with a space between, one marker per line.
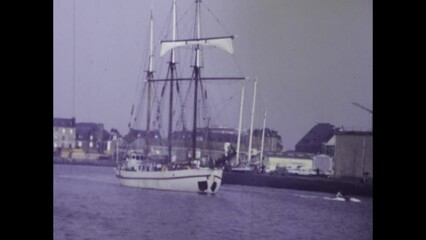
pixel 89 203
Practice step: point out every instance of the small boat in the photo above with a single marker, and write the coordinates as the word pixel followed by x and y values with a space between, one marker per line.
pixel 343 199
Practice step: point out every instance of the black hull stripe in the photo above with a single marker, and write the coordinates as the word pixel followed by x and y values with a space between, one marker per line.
pixel 166 178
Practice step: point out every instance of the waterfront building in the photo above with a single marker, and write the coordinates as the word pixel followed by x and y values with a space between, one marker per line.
pixel 113 137
pixel 352 152
pixel 91 140
pixel 63 134
pixel 292 161
pixel 313 141
pixel 136 139
pixel 323 164
pixel 272 142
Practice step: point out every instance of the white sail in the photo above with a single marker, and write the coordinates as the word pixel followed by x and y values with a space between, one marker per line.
pixel 224 43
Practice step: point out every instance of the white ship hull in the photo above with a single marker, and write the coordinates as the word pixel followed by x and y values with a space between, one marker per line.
pixel 202 180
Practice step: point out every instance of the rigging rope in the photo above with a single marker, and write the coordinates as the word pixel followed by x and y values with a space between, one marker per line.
pixel 216 18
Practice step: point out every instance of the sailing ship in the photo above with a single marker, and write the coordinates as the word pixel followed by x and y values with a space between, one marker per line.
pixel 144 169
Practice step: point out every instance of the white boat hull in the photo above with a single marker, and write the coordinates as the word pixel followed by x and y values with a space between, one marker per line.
pixel 202 180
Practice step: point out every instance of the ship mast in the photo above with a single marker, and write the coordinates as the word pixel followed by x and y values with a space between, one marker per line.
pixel 240 123
pixel 172 71
pixel 263 139
pixel 224 43
pixel 251 124
pixel 149 77
pixel 196 79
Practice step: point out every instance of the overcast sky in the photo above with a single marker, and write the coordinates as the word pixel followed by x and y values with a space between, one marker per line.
pixel 312 59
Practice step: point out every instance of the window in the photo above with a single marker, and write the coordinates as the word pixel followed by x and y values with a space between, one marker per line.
pixel 63 130
pixel 91 144
pixel 71 131
pixel 80 143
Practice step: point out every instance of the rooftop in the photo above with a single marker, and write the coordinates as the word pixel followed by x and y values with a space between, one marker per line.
pixel 64 122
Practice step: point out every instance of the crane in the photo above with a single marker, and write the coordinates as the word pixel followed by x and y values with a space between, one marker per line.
pixel 360 106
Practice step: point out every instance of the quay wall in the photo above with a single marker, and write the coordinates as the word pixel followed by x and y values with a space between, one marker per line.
pixel 306 183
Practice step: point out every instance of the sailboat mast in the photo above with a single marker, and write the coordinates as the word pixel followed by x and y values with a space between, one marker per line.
pixel 149 77
pixel 224 43
pixel 174 33
pixel 197 78
pixel 240 123
pixel 172 70
pixel 251 124
pixel 263 138
pixel 151 43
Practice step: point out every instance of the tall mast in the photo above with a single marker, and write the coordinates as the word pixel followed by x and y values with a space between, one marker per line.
pixel 251 124
pixel 240 123
pixel 224 43
pixel 263 138
pixel 174 33
pixel 197 78
pixel 149 77
pixel 151 42
pixel 172 70
pixel 73 66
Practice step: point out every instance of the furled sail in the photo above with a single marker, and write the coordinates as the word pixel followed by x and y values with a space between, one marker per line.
pixel 224 43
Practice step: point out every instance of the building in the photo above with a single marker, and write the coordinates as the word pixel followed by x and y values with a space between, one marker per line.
pixel 135 139
pixel 352 153
pixel 91 138
pixel 313 141
pixel 113 139
pixel 292 161
pixel 64 134
pixel 217 136
pixel 272 142
pixel 323 163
